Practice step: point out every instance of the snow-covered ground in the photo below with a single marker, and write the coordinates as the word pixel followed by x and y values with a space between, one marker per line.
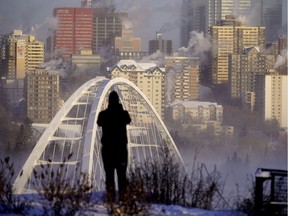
pixel 153 210
pixel 163 210
pixel 40 206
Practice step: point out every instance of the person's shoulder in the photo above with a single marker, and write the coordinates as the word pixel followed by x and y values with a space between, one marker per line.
pixel 127 116
pixel 103 112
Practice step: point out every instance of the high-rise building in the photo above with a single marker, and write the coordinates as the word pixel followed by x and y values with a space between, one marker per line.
pixel 193 18
pixel 200 15
pixel 234 7
pixel 42 95
pixel 20 53
pixel 14 51
pixel 271 97
pixel 165 46
pixel 279 50
pixel 107 25
pixel 74 32
pixel 2 52
pixel 243 69
pixel 231 37
pixel 148 77
pixel 187 78
pixel 35 53
pixel 272 16
pixel 127 43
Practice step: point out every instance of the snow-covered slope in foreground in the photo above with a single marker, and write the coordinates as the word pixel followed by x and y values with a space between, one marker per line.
pixel 153 210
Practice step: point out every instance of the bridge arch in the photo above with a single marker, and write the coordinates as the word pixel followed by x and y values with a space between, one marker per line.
pixel 74 130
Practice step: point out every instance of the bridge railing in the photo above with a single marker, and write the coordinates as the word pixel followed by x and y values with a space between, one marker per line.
pixel 271 192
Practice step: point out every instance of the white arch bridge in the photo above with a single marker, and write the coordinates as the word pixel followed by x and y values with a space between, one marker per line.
pixel 74 131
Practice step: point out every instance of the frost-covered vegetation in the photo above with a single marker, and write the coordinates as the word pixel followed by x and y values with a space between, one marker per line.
pixel 163 183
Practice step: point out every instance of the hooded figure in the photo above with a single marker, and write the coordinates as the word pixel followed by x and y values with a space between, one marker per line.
pixel 113 121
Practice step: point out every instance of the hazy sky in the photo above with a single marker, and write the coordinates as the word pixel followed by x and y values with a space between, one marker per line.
pixel 147 16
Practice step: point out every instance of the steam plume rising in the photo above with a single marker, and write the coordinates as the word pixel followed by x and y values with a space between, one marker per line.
pixel 126 23
pixel 156 57
pixel 197 45
pixel 42 30
pixel 170 84
pixel 281 59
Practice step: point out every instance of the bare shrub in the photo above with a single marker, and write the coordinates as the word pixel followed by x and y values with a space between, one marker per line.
pixel 205 188
pixel 166 182
pixel 9 203
pixel 64 198
pixel 245 201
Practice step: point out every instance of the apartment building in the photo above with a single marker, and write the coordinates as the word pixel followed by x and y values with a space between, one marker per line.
pixel 243 69
pixel 42 95
pixel 186 79
pixel 230 37
pixel 147 76
pixel 200 116
pixel 20 53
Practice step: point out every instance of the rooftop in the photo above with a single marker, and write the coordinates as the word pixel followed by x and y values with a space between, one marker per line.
pixel 194 104
pixel 137 65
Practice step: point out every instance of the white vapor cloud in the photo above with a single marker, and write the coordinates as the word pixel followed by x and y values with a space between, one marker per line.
pixel 42 30
pixel 197 46
pixel 281 59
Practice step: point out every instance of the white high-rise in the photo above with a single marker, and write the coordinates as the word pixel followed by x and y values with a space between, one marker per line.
pixel 271 97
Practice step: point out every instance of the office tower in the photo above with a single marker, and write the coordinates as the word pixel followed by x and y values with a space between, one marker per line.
pixel 42 95
pixel 107 25
pixel 165 46
pixel 234 7
pixel 272 16
pixel 186 85
pixel 74 32
pixel 284 16
pixel 231 37
pixel 271 97
pixel 128 47
pixel 127 43
pixel 193 18
pixel 20 54
pixel 147 76
pixel 200 15
pixel 243 69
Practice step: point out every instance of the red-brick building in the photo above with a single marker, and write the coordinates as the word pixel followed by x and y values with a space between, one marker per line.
pixel 74 32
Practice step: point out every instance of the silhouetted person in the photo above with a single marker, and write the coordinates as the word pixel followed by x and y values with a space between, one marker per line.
pixel 113 121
